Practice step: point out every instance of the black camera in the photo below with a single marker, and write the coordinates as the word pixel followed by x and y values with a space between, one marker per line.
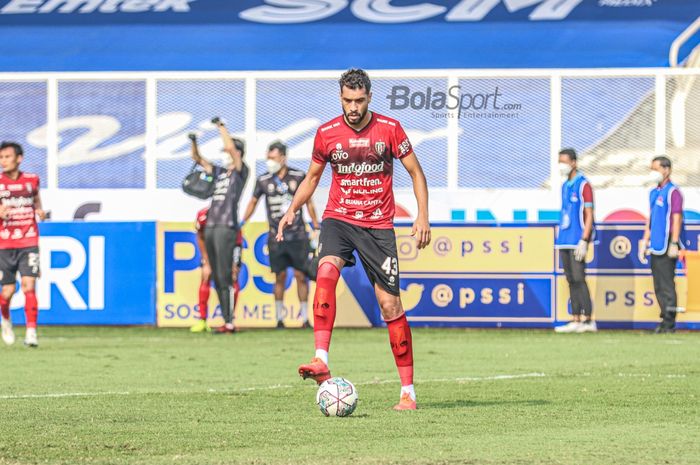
pixel 192 136
pixel 216 121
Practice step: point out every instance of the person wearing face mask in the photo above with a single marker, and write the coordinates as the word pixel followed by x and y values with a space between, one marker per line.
pixel 576 231
pixel 278 186
pixel 663 239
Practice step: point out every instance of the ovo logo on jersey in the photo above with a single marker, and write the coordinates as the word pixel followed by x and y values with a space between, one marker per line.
pixel 339 154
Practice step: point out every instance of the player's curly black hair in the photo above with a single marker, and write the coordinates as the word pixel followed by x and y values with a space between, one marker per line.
pixel 17 148
pixel 355 78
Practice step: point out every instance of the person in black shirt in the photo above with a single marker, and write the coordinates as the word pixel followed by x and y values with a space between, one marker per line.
pixel 222 221
pixel 278 186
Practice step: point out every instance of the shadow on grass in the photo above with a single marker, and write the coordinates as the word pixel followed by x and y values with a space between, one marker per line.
pixel 466 403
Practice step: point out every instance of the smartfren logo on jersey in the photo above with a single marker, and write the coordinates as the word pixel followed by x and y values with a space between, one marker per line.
pixel 360 169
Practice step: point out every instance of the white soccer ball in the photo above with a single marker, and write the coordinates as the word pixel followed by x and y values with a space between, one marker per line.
pixel 336 397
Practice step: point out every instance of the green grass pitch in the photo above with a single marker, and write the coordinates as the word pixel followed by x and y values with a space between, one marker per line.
pixel 155 396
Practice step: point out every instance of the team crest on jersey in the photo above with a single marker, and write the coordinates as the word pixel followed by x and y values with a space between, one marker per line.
pixel 380 147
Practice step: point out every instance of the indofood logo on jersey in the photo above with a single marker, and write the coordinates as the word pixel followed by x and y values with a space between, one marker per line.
pixel 360 169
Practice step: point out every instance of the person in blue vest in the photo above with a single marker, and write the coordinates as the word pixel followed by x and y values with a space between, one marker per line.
pixel 663 238
pixel 576 231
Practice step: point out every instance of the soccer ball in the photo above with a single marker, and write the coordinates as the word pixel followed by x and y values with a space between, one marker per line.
pixel 336 397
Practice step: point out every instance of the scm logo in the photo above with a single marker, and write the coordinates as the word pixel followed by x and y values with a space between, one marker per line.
pixel 381 11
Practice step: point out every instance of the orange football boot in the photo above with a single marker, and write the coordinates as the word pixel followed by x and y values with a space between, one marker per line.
pixel 406 402
pixel 317 370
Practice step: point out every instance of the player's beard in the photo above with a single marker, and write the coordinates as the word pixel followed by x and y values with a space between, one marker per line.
pixel 355 114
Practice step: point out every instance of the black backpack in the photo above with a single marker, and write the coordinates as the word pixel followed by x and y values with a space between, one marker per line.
pixel 198 183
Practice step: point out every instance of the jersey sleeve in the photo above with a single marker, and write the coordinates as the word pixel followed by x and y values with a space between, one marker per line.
pixel 319 154
pixel 587 195
pixel 676 201
pixel 403 145
pixel 258 191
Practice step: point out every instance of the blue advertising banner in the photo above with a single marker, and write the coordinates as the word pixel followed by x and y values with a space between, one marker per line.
pixel 64 35
pixel 620 249
pixel 95 274
pixel 465 299
pixel 620 282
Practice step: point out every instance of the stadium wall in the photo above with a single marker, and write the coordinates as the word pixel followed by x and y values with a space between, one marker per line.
pixel 103 140
pixel 471 276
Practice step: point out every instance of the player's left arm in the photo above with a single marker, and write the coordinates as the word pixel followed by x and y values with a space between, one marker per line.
pixel 587 212
pixel 38 208
pixel 229 148
pixel 676 215
pixel 421 227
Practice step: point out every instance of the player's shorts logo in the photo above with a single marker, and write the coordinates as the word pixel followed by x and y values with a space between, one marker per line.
pixel 379 147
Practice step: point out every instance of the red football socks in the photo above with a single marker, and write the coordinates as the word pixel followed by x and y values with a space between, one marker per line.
pixel 5 308
pixel 204 290
pixel 402 347
pixel 324 304
pixel 30 308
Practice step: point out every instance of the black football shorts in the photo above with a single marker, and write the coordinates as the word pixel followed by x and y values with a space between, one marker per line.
pixel 24 260
pixel 376 248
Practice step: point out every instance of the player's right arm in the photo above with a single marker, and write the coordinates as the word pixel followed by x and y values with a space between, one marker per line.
pixel 208 167
pixel 304 192
pixel 229 148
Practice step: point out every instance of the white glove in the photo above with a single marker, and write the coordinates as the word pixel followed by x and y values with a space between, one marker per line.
pixel 581 251
pixel 673 250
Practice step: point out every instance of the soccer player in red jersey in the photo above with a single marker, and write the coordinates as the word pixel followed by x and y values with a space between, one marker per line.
pixel 205 283
pixel 361 147
pixel 20 206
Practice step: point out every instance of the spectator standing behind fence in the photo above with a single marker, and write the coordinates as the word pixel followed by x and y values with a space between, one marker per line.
pixel 663 238
pixel 222 220
pixel 279 185
pixel 576 231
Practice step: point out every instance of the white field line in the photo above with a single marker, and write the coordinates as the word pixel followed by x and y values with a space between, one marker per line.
pixel 260 388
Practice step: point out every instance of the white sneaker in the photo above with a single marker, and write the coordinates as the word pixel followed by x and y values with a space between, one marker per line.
pixel 570 327
pixel 8 336
pixel 587 327
pixel 30 339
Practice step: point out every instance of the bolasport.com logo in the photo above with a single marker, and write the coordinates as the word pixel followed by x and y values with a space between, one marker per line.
pixel 454 103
